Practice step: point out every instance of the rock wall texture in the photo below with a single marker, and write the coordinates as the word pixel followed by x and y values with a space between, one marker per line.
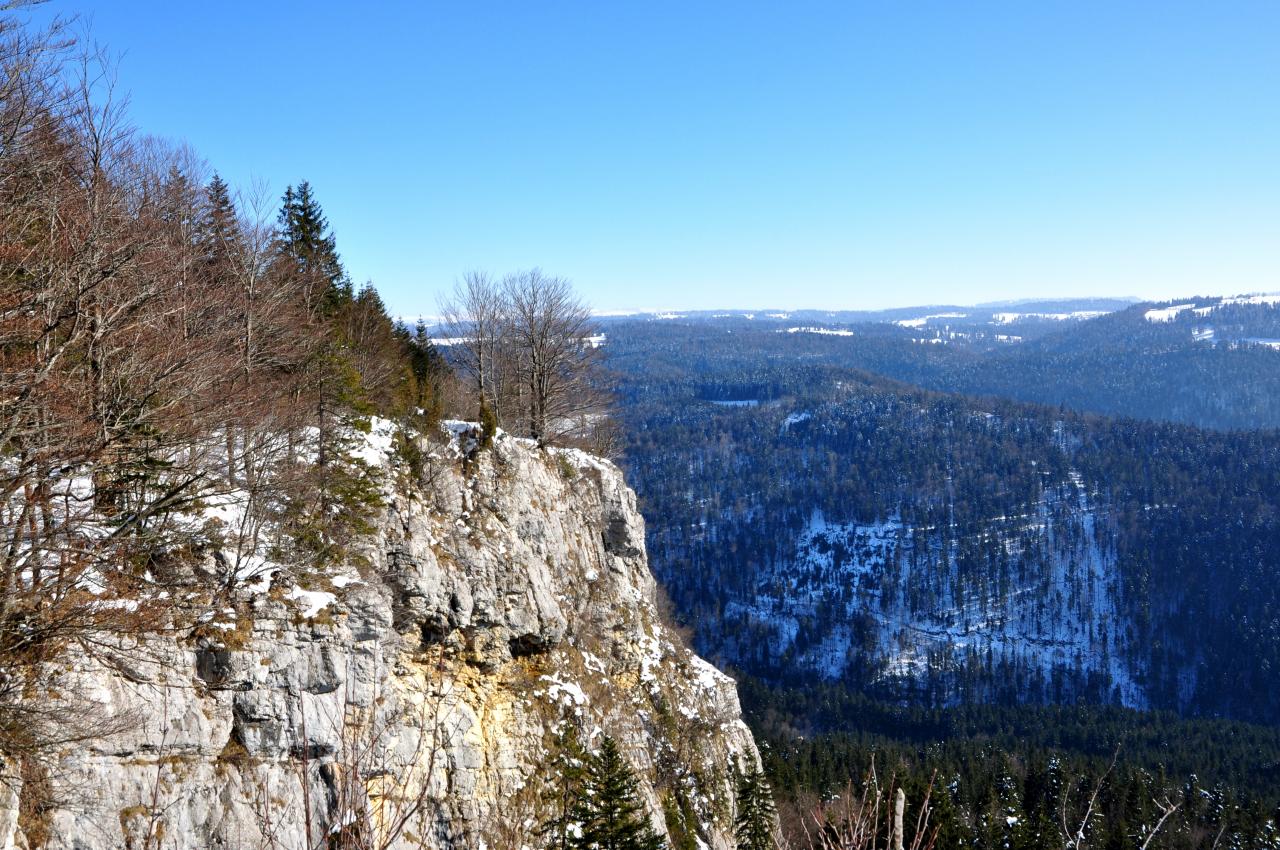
pixel 417 700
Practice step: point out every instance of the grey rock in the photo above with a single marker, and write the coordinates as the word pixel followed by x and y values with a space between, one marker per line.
pixel 510 597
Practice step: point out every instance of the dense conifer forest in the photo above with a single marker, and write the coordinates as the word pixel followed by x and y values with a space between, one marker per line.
pixel 999 595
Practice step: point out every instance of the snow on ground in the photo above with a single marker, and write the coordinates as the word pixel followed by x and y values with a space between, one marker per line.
pixel 584 460
pixel 568 694
pixel 1268 299
pixel 924 320
pixel 795 419
pixel 1010 318
pixel 1166 314
pixel 1055 612
pixel 820 331
pixel 376 446
pixel 312 602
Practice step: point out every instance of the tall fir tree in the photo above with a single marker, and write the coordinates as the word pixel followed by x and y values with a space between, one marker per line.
pixel 341 492
pixel 429 369
pixel 753 824
pixel 221 231
pixel 608 812
pixel 309 248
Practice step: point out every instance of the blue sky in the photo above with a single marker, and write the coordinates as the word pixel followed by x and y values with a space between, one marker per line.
pixel 700 155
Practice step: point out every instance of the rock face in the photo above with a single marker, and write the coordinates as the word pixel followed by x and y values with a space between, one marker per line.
pixel 504 602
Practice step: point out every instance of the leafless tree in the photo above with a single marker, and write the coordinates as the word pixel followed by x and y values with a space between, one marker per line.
pixel 1077 828
pixel 117 367
pixel 551 337
pixel 870 818
pixel 475 320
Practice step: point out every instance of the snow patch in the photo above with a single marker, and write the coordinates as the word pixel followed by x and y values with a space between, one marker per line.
pixel 311 601
pixel 1166 314
pixel 820 331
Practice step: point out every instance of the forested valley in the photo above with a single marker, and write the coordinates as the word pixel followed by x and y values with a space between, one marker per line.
pixel 997 592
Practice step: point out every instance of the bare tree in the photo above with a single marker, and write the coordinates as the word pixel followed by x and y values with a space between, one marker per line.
pixel 117 368
pixel 475 319
pixel 551 334
pixel 872 818
pixel 1077 827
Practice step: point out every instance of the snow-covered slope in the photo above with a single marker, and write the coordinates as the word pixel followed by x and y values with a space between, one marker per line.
pixel 892 600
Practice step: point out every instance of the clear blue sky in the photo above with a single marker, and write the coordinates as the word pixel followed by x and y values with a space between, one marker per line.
pixel 699 154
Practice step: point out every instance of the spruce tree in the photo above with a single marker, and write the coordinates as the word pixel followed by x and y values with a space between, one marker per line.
pixel 753 824
pixel 608 813
pixel 309 248
pixel 569 764
pixel 429 369
pixel 340 492
pixel 219 235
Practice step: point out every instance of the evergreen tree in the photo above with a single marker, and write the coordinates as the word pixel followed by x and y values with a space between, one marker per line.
pixel 608 813
pixel 429 369
pixel 345 373
pixel 309 248
pixel 569 765
pixel 221 230
pixel 753 825
pixel 338 493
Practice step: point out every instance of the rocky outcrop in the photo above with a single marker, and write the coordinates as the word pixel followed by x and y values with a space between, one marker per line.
pixel 502 603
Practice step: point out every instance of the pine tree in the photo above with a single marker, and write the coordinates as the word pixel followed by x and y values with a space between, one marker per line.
pixel 344 366
pixel 753 825
pixel 608 812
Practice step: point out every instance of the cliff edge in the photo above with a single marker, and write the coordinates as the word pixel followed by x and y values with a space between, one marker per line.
pixel 503 606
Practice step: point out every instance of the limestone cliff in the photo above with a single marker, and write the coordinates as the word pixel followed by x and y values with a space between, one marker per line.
pixel 501 602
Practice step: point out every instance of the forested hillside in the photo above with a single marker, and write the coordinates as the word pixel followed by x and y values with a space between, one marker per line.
pixel 1027 612
pixel 812 520
pixel 1207 361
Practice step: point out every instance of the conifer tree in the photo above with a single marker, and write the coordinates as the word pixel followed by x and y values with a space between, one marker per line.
pixel 430 371
pixel 309 248
pixel 608 813
pixel 339 492
pixel 221 231
pixel 753 824
pixel 569 764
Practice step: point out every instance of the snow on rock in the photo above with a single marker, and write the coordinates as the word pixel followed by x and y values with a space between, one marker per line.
pixel 1056 614
pixel 795 419
pixel 469 637
pixel 565 692
pixel 312 602
pixel 374 447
